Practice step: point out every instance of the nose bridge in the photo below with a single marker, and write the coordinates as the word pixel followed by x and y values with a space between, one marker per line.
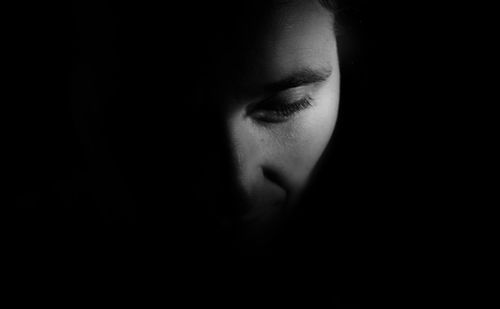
pixel 227 144
pixel 244 150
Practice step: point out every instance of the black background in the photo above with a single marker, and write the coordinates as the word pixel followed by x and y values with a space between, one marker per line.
pixel 395 196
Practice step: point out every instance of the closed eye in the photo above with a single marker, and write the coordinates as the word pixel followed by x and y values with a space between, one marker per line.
pixel 277 110
pixel 291 95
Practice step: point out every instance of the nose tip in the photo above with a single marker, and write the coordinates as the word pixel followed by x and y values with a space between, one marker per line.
pixel 263 194
pixel 279 192
pixel 256 193
pixel 272 176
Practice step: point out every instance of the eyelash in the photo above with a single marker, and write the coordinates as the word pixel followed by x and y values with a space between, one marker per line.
pixel 279 111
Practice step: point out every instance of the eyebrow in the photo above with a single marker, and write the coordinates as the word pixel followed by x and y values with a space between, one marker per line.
pixel 301 77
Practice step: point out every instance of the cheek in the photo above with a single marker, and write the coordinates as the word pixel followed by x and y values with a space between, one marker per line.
pixel 302 141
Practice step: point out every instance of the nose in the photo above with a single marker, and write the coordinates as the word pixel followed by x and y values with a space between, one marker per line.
pixel 260 191
pixel 236 175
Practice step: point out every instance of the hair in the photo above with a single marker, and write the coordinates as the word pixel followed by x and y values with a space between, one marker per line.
pixel 344 13
pixel 331 5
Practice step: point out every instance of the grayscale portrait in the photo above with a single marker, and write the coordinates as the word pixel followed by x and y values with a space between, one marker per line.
pixel 242 153
pixel 222 135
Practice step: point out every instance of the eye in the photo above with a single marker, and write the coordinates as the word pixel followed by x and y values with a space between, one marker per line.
pixel 275 109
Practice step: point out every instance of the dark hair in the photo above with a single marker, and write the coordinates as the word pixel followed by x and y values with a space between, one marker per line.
pixel 331 6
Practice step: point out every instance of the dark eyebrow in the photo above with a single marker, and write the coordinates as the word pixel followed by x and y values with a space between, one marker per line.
pixel 299 78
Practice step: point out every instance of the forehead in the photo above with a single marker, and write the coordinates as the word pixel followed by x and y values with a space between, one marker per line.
pixel 275 41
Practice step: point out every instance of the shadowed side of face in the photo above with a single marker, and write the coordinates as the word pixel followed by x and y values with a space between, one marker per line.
pixel 266 104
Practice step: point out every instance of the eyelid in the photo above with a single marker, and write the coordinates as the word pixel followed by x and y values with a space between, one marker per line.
pixel 282 112
pixel 287 95
pixel 292 94
pixel 282 106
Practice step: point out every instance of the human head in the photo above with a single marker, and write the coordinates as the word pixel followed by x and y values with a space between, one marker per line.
pixel 274 92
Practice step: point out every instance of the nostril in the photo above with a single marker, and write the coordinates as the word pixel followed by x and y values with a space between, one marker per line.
pixel 273 176
pixel 281 191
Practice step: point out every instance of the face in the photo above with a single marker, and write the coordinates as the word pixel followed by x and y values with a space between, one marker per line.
pixel 279 91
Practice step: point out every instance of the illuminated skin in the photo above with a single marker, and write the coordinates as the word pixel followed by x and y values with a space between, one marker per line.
pixel 282 111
